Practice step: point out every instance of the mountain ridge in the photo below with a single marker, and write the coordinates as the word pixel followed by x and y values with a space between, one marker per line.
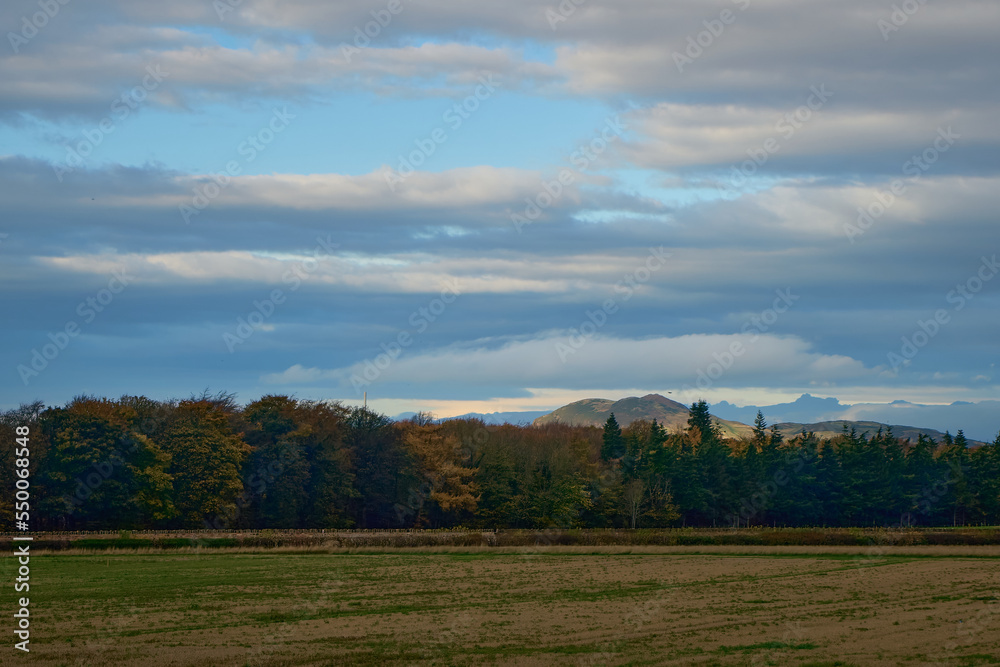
pixel 668 413
pixel 671 414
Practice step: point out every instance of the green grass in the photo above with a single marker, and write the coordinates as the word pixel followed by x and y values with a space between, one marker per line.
pixel 769 646
pixel 760 536
pixel 483 607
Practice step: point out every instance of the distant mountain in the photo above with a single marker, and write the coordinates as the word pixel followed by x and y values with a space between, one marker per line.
pixel 502 417
pixel 805 409
pixel 834 428
pixel 669 414
pixel 516 418
pixel 672 415
pixel 980 421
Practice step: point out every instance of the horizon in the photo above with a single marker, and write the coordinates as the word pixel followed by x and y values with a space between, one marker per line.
pixel 229 224
pixel 473 212
pixel 976 419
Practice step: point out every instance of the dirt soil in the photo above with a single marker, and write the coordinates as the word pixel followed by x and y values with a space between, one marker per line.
pixel 534 608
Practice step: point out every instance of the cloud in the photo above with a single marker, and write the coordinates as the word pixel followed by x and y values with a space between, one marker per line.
pixel 817 139
pixel 784 228
pixel 553 360
pixel 772 50
pixel 82 76
pixel 401 274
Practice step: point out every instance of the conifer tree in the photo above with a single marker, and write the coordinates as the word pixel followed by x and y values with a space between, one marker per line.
pixel 613 444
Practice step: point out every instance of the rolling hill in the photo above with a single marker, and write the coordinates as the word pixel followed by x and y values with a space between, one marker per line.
pixel 834 428
pixel 672 415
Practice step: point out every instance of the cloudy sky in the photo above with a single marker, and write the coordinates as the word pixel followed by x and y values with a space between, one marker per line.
pixel 500 206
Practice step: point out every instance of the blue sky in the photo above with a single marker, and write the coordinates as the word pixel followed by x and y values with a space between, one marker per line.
pixel 740 201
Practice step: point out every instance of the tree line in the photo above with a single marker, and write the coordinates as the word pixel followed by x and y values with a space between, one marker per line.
pixel 279 462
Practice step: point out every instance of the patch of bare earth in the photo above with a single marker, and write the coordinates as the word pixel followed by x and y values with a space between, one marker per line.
pixel 884 607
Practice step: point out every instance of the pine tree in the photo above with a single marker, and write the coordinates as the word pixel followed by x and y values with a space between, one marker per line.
pixel 713 459
pixel 613 444
pixel 759 430
pixel 699 418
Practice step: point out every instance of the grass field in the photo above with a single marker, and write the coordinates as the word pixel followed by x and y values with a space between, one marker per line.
pixel 550 606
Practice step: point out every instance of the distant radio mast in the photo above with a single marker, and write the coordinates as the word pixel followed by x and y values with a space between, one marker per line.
pixel 366 400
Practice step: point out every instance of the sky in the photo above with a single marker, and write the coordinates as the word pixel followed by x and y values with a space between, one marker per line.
pixel 461 207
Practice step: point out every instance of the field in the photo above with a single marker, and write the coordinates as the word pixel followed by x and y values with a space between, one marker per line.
pixel 556 605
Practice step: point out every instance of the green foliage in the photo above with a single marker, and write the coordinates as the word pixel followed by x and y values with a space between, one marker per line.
pixel 384 474
pixel 612 443
pixel 278 462
pixel 206 459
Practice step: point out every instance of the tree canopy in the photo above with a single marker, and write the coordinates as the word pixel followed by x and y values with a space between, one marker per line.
pixel 279 462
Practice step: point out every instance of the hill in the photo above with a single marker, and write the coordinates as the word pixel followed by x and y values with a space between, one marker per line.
pixel 501 417
pixel 978 420
pixel 670 414
pixel 834 428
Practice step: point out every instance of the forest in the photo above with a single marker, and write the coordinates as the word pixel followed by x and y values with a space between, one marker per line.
pixel 279 462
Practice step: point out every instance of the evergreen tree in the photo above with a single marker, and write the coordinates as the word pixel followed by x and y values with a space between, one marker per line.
pixel 961 498
pixel 613 445
pixel 714 464
pixel 759 430
pixel 986 464
pixel 700 419
pixel 922 471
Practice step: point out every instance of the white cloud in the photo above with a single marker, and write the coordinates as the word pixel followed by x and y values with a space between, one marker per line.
pixel 400 273
pixel 671 136
pixel 666 362
pixel 462 187
pixel 87 70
